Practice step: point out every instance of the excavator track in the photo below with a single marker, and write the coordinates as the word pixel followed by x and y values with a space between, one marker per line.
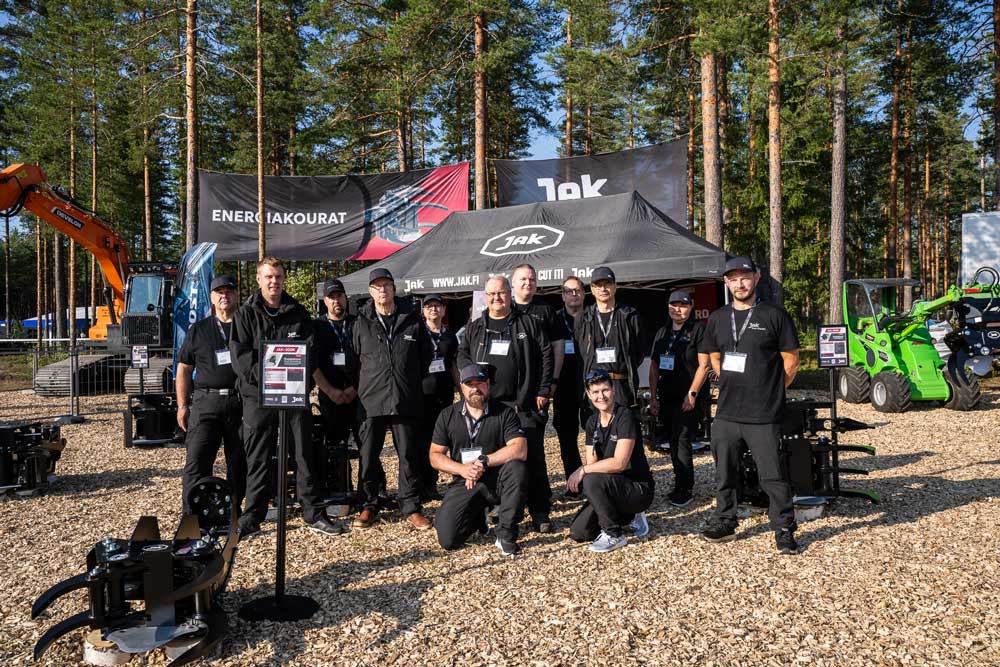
pixel 157 379
pixel 96 374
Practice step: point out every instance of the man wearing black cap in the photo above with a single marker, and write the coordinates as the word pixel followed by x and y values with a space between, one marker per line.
pixel 610 338
pixel 754 349
pixel 480 442
pixel 516 346
pixel 438 386
pixel 676 379
pixel 272 314
pixel 393 352
pixel 212 412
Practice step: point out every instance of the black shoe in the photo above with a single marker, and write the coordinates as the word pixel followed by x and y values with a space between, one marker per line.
pixel 784 539
pixel 325 526
pixel 679 498
pixel 719 531
pixel 507 548
pixel 543 524
pixel 570 497
pixel 248 528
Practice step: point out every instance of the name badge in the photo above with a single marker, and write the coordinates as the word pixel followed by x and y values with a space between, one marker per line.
pixel 569 346
pixel 437 366
pixel 470 454
pixel 500 348
pixel 222 358
pixel 666 362
pixel 339 359
pixel 734 362
pixel 606 355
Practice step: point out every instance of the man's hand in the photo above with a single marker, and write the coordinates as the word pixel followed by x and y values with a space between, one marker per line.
pixel 574 481
pixel 182 417
pixel 336 395
pixel 688 404
pixel 350 394
pixel 471 473
pixel 654 406
pixel 542 402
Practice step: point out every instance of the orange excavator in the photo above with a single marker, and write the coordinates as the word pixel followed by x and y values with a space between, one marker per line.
pixel 138 296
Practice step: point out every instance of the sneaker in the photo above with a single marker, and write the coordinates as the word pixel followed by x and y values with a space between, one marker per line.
pixel 680 498
pixel 507 548
pixel 639 526
pixel 248 529
pixel 784 539
pixel 719 531
pixel 606 543
pixel 543 524
pixel 325 526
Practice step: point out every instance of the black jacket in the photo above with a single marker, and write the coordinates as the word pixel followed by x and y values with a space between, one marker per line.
pixel 630 337
pixel 390 377
pixel 534 348
pixel 252 324
pixel 327 343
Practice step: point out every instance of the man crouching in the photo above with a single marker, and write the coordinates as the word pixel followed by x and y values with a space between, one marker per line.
pixel 481 443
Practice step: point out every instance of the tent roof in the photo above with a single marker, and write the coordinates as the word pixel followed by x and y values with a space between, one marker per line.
pixel 560 239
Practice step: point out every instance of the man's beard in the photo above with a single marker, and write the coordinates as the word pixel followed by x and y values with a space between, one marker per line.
pixel 476 400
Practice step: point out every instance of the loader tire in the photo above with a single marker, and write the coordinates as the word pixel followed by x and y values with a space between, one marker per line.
pixel 890 392
pixel 853 384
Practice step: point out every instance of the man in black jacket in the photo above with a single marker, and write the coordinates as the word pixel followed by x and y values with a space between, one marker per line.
pixel 609 336
pixel 272 314
pixel 517 346
pixel 393 352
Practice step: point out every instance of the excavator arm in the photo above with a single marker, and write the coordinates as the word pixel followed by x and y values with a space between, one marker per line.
pixel 23 187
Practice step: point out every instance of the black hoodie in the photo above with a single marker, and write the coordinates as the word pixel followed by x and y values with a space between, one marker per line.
pixel 252 324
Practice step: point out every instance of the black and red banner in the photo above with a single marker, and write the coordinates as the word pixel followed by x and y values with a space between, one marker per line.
pixel 657 172
pixel 328 217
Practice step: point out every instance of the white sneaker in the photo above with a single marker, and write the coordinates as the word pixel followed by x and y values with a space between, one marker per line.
pixel 639 526
pixel 605 543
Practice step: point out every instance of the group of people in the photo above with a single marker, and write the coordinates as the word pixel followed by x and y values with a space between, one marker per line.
pixel 392 368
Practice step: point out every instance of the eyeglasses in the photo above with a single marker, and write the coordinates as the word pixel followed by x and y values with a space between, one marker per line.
pixel 596 376
pixel 433 306
pixel 382 288
pixel 497 295
pixel 567 290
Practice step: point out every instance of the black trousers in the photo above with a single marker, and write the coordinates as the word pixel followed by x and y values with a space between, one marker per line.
pixel 680 427
pixel 566 420
pixel 214 420
pixel 462 510
pixel 432 408
pixel 342 421
pixel 260 440
pixel 539 490
pixel 405 437
pixel 613 500
pixel 763 441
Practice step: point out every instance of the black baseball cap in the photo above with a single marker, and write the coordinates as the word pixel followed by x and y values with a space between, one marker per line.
pixel 602 273
pixel 475 372
pixel 223 281
pixel 432 297
pixel 375 274
pixel 740 263
pixel 332 286
pixel 680 296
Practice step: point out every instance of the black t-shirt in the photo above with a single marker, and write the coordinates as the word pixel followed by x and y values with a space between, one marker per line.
pixel 682 345
pixel 623 426
pixel 497 426
pixel 756 396
pixel 610 323
pixel 571 362
pixel 440 383
pixel 545 314
pixel 203 340
pixel 332 338
pixel 504 385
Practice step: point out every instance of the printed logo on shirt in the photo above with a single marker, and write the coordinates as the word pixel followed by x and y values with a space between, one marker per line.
pixel 753 326
pixel 408 337
pixel 522 335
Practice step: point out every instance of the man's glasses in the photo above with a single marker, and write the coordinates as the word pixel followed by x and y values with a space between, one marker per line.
pixel 433 306
pixel 567 290
pixel 497 295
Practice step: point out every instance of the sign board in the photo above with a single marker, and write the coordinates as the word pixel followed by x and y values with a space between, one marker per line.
pixel 831 346
pixel 140 356
pixel 980 243
pixel 284 370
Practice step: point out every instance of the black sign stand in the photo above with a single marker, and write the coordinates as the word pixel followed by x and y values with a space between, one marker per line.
pixel 280 607
pixel 832 337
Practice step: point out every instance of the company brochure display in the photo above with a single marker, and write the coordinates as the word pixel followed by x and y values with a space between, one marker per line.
pixel 140 356
pixel 284 367
pixel 831 346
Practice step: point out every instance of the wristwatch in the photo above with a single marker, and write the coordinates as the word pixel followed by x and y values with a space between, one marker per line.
pixel 485 460
pixel 693 394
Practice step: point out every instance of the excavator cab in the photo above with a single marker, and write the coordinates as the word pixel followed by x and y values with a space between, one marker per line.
pixel 149 299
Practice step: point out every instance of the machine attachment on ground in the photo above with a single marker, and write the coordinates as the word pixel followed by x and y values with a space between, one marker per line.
pixel 28 455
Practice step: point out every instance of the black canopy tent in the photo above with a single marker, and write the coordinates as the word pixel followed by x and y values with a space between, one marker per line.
pixel 560 239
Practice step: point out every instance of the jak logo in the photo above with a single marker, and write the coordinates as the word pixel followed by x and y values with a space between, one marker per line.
pixel 522 241
pixel 585 189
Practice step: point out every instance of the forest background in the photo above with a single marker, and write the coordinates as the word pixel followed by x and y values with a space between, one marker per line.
pixel 825 138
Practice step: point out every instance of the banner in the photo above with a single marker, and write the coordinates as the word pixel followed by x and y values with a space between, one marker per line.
pixel 657 172
pixel 328 217
pixel 191 291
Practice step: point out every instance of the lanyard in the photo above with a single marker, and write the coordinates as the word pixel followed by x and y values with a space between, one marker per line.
pixel 435 340
pixel 388 327
pixel 337 332
pixel 473 425
pixel 600 323
pixel 222 331
pixel 732 322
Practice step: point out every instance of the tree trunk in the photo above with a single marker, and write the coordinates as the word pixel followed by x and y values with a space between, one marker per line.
pixel 907 104
pixel 401 148
pixel 261 207
pixel 71 277
pixel 588 144
pixel 191 116
pixel 482 131
pixel 946 221
pixel 39 281
pixel 58 286
pixel 569 95
pixel 710 148
pixel 692 119
pixel 982 183
pixel 925 218
pixel 147 190
pixel 996 104
pixel 893 232
pixel 774 143
pixel 838 189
